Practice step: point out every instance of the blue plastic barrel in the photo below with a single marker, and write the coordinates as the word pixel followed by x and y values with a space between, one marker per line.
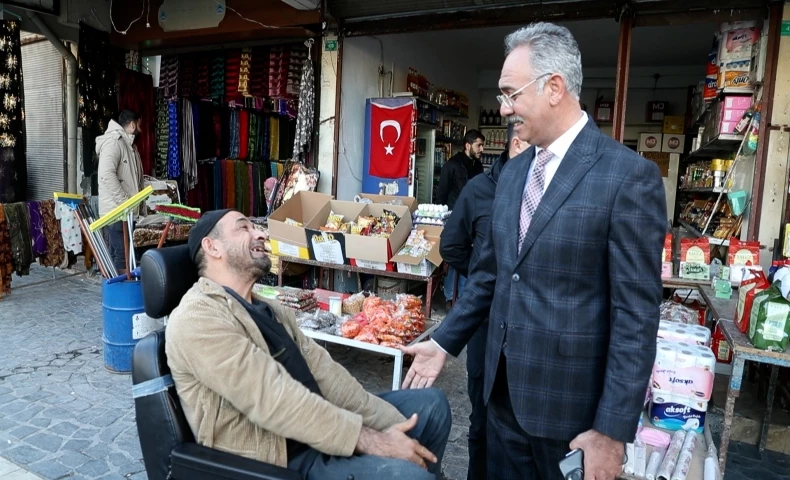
pixel 120 302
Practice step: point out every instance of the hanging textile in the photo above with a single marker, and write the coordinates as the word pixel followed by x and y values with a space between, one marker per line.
pixel 188 145
pixel 96 79
pixel 244 134
pixel 217 78
pixel 13 163
pixel 218 186
pixel 259 72
pixel 19 228
pixel 186 75
pixel 232 70
pixel 69 228
pixel 253 151
pixel 244 72
pixel 52 231
pixel 234 134
pixel 274 138
pixel 304 120
pixel 202 73
pixel 173 153
pixel 279 58
pixel 266 138
pixel 168 76
pixel 162 140
pixel 229 184
pixel 36 229
pixel 250 189
pixel 6 260
pixel 136 93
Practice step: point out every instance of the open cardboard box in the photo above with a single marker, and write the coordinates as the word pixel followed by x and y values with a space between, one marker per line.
pixel 290 240
pixel 422 266
pixel 330 247
pixel 410 202
pixel 378 249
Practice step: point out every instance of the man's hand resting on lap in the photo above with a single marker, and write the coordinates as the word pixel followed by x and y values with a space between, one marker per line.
pixel 428 362
pixel 394 443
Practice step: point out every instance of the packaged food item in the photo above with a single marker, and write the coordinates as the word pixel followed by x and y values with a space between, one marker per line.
pixel 291 221
pixel 754 282
pixel 334 222
pixel 417 245
pixel 670 311
pixel 740 255
pixel 353 304
pixel 721 348
pixel 769 322
pixel 695 258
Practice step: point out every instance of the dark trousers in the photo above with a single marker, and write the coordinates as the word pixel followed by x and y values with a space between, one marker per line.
pixel 434 420
pixel 513 454
pixel 114 237
pixel 475 369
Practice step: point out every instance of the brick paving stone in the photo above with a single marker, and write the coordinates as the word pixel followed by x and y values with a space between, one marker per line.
pixel 49 469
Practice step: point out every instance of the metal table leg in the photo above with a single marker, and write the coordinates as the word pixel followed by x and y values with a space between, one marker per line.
pixel 429 297
pixel 769 406
pixel 397 373
pixel 733 392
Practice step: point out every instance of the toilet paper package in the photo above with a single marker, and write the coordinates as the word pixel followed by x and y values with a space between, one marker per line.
pixel 678 332
pixel 673 412
pixel 683 369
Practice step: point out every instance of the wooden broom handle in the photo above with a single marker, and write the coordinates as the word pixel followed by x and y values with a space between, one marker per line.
pixel 163 237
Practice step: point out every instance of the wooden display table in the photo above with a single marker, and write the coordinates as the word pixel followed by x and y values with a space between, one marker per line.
pixel 723 310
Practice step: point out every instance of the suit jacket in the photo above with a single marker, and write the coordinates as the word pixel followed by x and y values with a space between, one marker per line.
pixel 577 311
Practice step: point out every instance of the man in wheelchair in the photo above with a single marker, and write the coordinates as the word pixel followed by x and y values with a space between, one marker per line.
pixel 252 384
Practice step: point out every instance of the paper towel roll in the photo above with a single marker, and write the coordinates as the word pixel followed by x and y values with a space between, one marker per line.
pixel 700 338
pixel 706 361
pixel 711 469
pixel 653 464
pixel 684 458
pixel 671 457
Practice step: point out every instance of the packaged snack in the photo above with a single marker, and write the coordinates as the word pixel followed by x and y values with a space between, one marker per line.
pixel 353 304
pixel 754 282
pixel 769 322
pixel 291 221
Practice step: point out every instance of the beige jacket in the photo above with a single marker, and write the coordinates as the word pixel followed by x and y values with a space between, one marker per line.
pixel 120 168
pixel 239 399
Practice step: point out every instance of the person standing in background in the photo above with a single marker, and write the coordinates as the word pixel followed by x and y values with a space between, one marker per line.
pixel 569 277
pixel 456 172
pixel 462 236
pixel 120 176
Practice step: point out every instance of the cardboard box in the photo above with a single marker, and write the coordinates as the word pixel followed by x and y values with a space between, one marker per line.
pixel 377 249
pixel 649 142
pixel 330 247
pixel 290 240
pixel 737 102
pixel 674 125
pixel 673 143
pixel 423 267
pixel 410 202
pixel 732 114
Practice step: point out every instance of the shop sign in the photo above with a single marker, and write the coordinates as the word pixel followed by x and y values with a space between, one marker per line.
pixel 330 45
pixel 786 28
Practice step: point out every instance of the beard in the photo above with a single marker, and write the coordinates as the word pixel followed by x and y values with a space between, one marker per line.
pixel 248 266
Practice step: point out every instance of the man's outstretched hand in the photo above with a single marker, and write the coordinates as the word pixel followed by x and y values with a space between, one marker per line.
pixel 394 443
pixel 428 362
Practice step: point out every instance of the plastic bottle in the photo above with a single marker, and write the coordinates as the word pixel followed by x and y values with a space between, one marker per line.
pixel 753 136
pixel 774 267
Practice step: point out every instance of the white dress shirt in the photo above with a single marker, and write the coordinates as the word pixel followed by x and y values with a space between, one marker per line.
pixel 559 148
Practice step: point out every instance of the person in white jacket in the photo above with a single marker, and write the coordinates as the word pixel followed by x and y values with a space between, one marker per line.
pixel 120 176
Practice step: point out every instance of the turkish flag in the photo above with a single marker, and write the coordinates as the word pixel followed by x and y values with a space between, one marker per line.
pixel 390 140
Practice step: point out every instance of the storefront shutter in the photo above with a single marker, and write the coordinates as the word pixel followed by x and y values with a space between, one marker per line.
pixel 42 67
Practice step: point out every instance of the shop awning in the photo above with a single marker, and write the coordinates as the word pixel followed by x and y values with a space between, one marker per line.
pixel 364 17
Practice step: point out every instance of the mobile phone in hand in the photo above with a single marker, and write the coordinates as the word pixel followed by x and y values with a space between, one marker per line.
pixel 572 466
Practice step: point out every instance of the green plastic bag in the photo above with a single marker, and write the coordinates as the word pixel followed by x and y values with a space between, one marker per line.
pixel 769 323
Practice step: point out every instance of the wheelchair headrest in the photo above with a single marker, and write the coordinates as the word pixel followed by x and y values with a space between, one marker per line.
pixel 165 276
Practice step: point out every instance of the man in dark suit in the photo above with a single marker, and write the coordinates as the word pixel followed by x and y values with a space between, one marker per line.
pixel 570 277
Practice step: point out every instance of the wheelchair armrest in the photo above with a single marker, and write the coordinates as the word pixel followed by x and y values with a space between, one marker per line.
pixel 190 461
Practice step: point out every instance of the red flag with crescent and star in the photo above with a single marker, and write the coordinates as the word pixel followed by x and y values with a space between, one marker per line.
pixel 390 140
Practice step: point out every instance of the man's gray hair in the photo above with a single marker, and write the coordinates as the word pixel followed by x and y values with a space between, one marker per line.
pixel 552 49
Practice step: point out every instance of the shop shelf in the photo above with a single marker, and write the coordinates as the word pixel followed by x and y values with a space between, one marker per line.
pixel 722 143
pixel 443 139
pixel 693 230
pixel 704 190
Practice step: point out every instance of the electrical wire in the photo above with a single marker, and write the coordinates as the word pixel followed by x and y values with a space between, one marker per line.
pixel 245 18
pixel 142 11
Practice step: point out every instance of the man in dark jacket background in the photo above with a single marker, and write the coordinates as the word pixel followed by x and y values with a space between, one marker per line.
pixel 466 228
pixel 460 168
pixel 456 172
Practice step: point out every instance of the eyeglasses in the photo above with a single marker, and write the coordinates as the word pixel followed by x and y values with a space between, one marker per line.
pixel 507 100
